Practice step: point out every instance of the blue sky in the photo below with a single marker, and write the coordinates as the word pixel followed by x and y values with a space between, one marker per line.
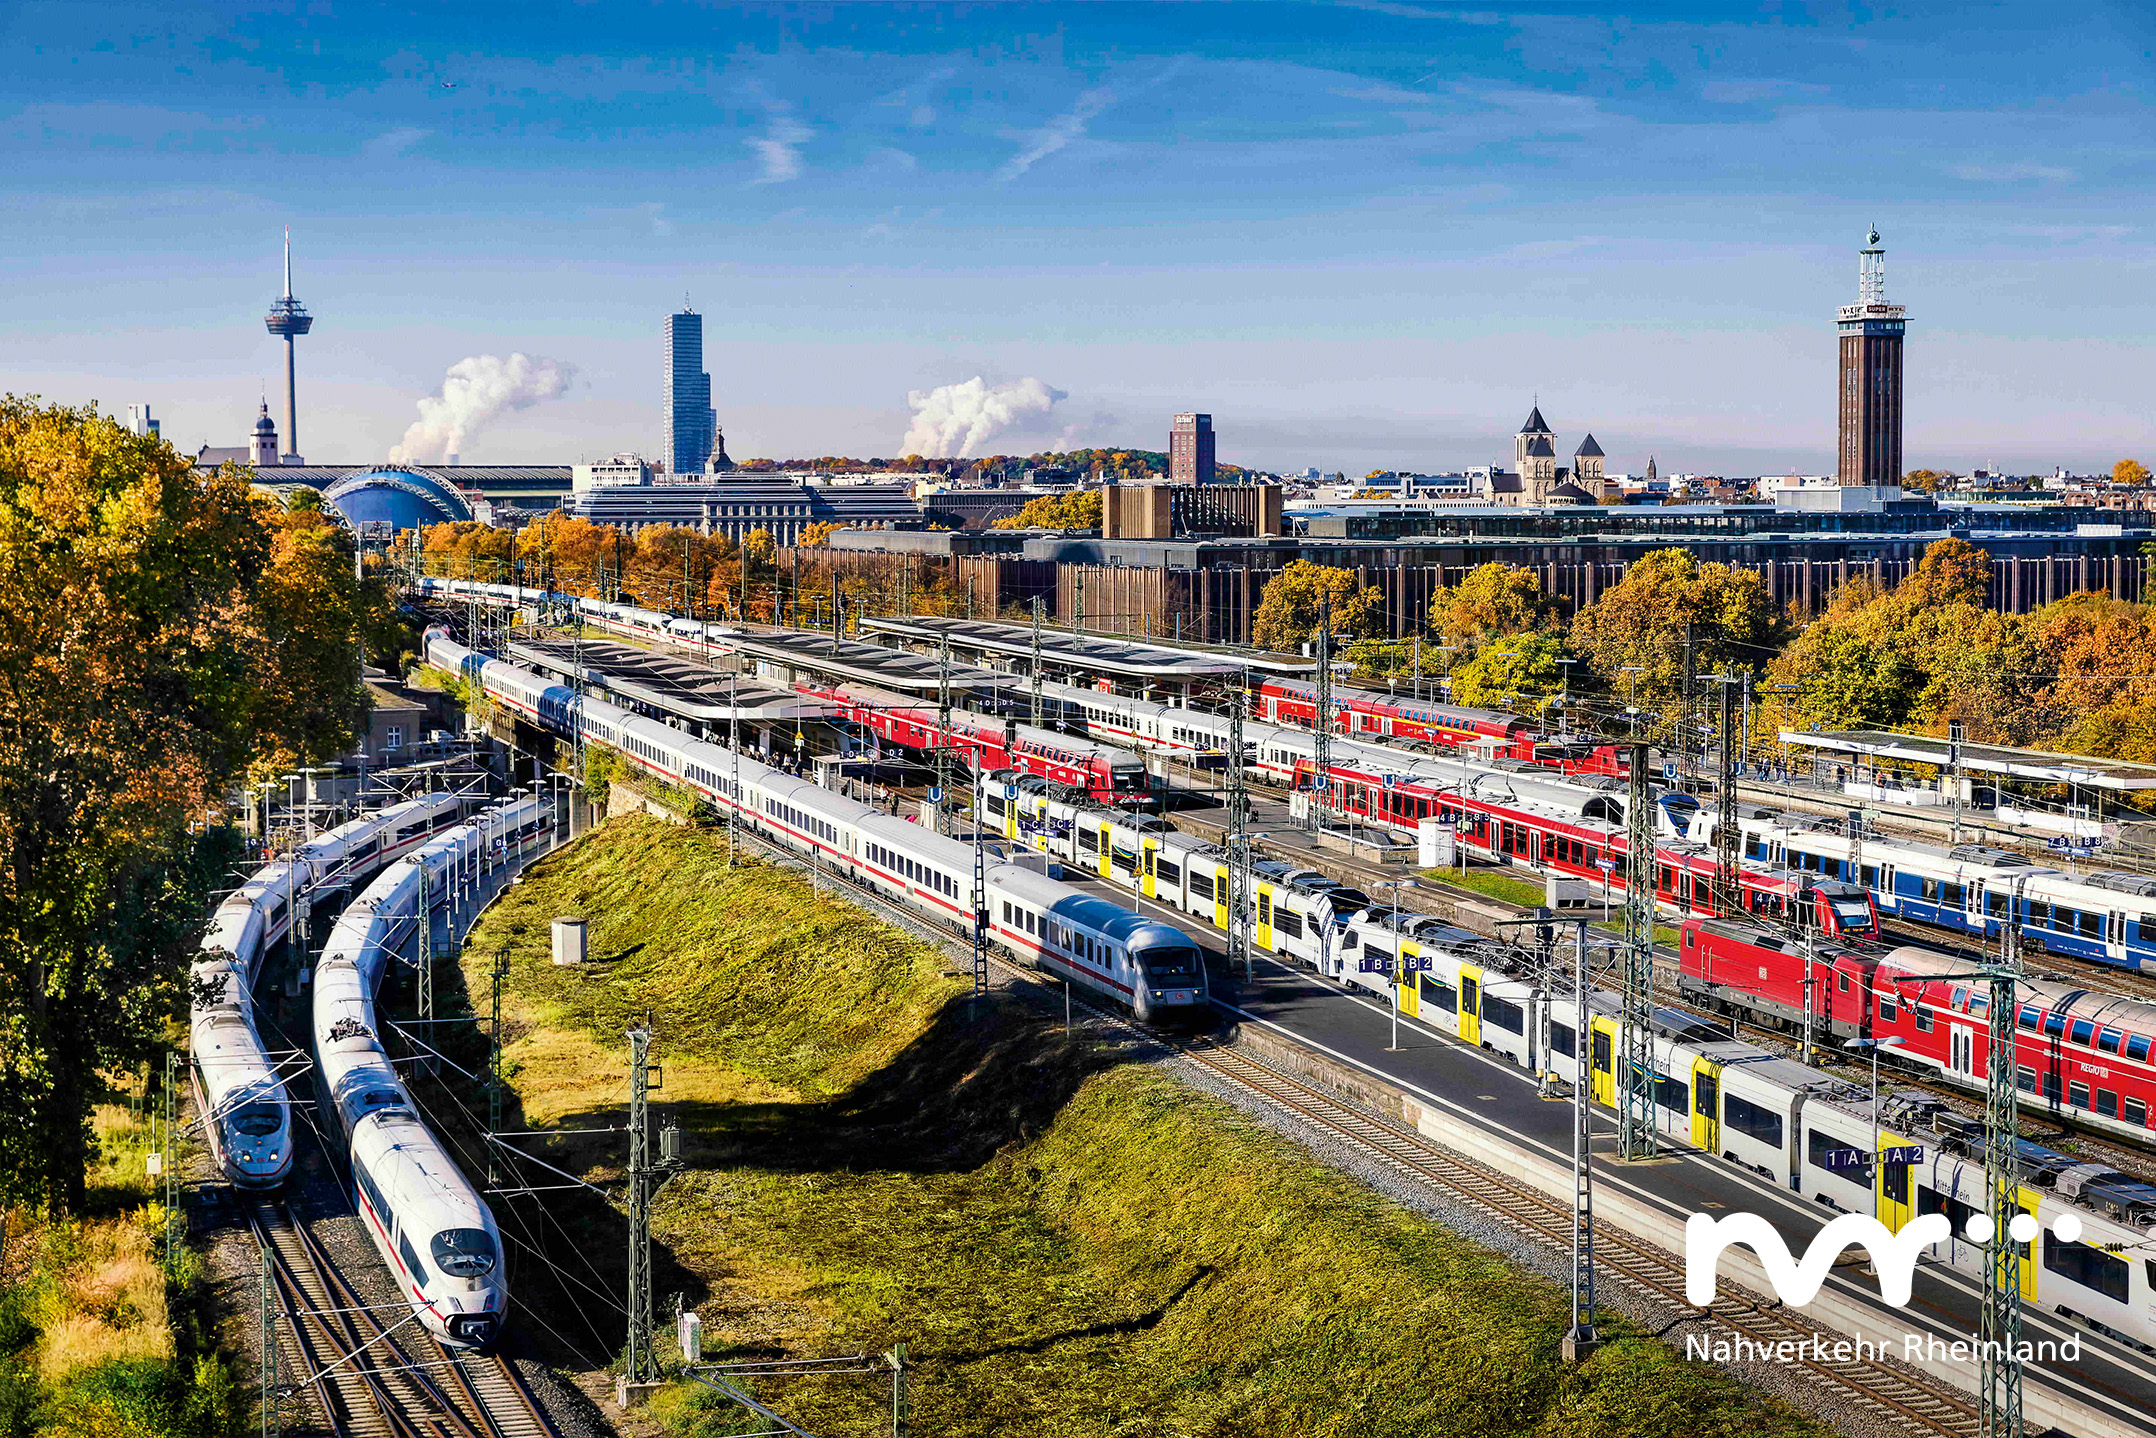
pixel 1359 235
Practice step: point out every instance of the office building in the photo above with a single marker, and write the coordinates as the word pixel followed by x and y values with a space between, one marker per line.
pixel 690 419
pixel 1190 449
pixel 1871 377
pixel 139 421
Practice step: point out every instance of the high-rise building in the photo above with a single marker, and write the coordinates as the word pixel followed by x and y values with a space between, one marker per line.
pixel 1871 377
pixel 288 319
pixel 140 422
pixel 689 416
pixel 1190 449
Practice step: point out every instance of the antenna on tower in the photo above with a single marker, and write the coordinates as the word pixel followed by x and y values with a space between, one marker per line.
pixel 288 262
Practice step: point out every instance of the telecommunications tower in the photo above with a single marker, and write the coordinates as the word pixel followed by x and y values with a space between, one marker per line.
pixel 288 319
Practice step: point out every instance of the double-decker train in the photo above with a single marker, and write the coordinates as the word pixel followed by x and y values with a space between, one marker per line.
pixel 1490 733
pixel 1150 968
pixel 248 1112
pixel 433 1229
pixel 2079 1053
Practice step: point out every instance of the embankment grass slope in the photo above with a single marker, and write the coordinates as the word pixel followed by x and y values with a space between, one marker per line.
pixel 1068 1241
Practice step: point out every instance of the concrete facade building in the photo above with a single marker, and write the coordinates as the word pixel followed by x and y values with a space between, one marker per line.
pixel 1168 511
pixel 1870 395
pixel 690 419
pixel 1190 449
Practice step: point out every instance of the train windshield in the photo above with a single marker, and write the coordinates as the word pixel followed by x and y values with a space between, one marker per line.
pixel 1854 913
pixel 258 1119
pixel 464 1252
pixel 1170 962
pixel 1130 781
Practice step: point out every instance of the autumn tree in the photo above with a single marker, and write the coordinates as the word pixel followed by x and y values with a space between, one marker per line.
pixel 1287 614
pixel 2131 473
pixel 1490 599
pixel 817 535
pixel 1924 479
pixel 1521 671
pixel 158 630
pixel 1077 509
pixel 1671 610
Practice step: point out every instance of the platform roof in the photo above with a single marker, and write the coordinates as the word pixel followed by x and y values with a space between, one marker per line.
pixel 854 662
pixel 2033 765
pixel 1093 653
pixel 669 684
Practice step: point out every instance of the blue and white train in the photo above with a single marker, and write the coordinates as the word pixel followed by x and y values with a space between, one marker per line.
pixel 1150 968
pixel 433 1229
pixel 249 1124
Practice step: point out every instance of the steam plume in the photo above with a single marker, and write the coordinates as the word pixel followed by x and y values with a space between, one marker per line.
pixel 474 393
pixel 959 419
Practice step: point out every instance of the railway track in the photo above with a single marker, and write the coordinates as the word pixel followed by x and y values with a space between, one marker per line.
pixel 1891 1397
pixel 370 1371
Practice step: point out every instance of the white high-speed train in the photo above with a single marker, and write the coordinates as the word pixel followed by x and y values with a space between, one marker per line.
pixel 434 1231
pixel 1148 967
pixel 250 1127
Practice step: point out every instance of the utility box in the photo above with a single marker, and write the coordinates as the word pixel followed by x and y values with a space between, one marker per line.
pixel 1436 844
pixel 692 1337
pixel 569 942
pixel 1569 895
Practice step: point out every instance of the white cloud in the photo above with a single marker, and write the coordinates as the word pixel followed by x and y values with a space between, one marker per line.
pixel 779 147
pixel 2010 173
pixel 959 419
pixel 392 143
pixel 1057 133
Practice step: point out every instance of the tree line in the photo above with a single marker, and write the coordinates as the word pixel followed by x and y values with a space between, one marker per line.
pixel 165 636
pixel 2075 675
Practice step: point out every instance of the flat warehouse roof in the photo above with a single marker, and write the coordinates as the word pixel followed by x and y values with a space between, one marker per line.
pixel 1097 653
pixel 2033 764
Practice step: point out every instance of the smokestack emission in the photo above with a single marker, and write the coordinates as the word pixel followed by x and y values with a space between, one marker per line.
pixel 475 392
pixel 954 420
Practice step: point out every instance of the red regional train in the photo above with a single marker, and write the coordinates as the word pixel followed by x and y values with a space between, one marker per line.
pixel 1366 713
pixel 2079 1053
pixel 1107 774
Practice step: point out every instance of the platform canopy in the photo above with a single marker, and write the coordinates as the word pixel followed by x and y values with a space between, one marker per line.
pixel 1091 653
pixel 853 662
pixel 2030 765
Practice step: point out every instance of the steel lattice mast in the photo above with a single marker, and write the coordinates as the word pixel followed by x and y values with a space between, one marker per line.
pixel 1238 834
pixel 2001 1331
pixel 1321 719
pixel 1728 882
pixel 1635 1065
pixel 943 730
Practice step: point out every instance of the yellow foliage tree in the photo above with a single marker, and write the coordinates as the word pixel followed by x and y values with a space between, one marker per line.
pixel 1079 509
pixel 1287 616
pixel 2131 473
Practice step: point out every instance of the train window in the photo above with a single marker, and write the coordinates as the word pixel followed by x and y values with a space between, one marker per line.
pixel 1871 876
pixel 2025 1079
pixel 2088 1266
pixel 464 1252
pixel 2077 1095
pixel 2084 1030
pixel 1818 1145
pixel 260 1119
pixel 2109 1040
pixel 2107 1103
pixel 2028 1017
pixel 1671 1094
pixel 2137 1047
pixel 1007 911
pixel 1954 895
pixel 1842 982
pixel 2051 1086
pixel 1750 1119
pixel 2054 1024
pixel 1435 995
pixel 417 1269
pixel 1886 1006
pixel 2135 1111
pixel 1289 923
pixel 1923 1018
pixel 1509 1017
pixel 2090 923
pixel 1563 1040
pixel 1929 889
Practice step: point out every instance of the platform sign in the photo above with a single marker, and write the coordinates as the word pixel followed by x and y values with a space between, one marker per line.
pixel 1844 1158
pixel 1894 1156
pixel 935 793
pixel 1669 771
pixel 1607 866
pixel 1897 1155
pixel 1391 780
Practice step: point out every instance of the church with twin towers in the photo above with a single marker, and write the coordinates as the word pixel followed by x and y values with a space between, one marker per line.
pixel 1537 479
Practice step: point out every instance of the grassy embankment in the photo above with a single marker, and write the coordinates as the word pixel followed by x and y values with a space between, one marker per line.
pixel 94 1338
pixel 1067 1243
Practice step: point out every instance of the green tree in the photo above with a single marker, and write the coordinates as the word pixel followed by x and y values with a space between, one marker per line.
pixel 1513 671
pixel 1637 635
pixel 1287 614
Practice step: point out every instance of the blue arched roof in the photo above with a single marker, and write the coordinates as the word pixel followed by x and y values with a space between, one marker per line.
pixel 397 495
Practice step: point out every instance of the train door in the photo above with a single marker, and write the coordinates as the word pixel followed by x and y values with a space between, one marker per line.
pixel 1896 1200
pixel 1107 846
pixel 1470 1004
pixel 1602 1062
pixel 1404 981
pixel 2115 936
pixel 1262 933
pixel 1220 897
pixel 1146 850
pixel 1706 1106
pixel 2027 1198
pixel 1961 1049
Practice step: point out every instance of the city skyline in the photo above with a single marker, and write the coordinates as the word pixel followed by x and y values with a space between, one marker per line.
pixel 1359 238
